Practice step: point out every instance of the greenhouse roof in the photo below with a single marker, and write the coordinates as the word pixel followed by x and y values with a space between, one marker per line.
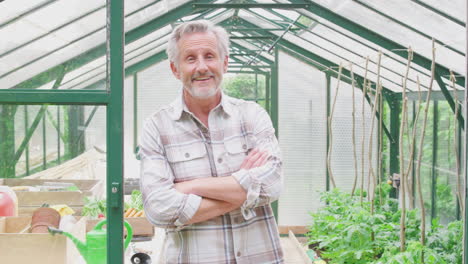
pixel 61 44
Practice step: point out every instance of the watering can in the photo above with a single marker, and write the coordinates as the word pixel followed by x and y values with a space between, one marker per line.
pixel 94 251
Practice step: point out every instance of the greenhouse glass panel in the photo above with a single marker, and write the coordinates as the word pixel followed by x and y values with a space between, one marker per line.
pixel 45 38
pixel 358 60
pixel 302 133
pixel 448 171
pixel 395 32
pixel 455 10
pixel 365 137
pixel 443 30
pixel 360 70
pixel 390 64
pixel 349 36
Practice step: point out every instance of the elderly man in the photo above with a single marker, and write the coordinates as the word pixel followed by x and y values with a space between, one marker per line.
pixel 211 164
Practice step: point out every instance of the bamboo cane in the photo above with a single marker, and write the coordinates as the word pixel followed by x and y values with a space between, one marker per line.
pixel 330 132
pixel 371 174
pixel 380 157
pixel 402 164
pixel 353 130
pixel 364 92
pixel 413 142
pixel 421 142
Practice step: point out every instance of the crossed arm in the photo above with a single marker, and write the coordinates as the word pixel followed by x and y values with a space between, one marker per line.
pixel 223 194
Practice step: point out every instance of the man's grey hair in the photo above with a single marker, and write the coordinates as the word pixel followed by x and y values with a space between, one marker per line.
pixel 197 26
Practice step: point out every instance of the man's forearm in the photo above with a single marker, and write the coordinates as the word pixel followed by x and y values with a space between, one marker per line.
pixel 210 208
pixel 222 188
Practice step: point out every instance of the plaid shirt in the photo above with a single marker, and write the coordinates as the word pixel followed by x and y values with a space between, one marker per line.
pixel 175 147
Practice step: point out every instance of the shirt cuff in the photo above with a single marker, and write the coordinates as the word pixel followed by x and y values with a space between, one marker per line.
pixel 252 187
pixel 191 207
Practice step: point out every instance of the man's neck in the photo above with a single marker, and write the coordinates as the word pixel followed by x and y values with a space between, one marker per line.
pixel 201 107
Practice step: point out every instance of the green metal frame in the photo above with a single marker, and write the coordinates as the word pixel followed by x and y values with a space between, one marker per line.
pixel 251 5
pixel 115 249
pixel 449 98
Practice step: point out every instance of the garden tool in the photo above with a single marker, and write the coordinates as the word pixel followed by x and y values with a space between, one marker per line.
pixel 94 251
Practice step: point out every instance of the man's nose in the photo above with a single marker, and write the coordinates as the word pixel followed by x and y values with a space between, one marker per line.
pixel 201 66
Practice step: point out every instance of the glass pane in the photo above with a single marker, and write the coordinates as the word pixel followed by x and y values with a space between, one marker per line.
pixel 302 133
pixel 53 159
pixel 447 177
pixel 454 8
pixel 50 41
pixel 395 32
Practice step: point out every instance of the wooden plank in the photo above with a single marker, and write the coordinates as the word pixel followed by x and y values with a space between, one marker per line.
pixel 298 230
pixel 2 224
pixel 70 198
pixel 294 252
pixel 299 247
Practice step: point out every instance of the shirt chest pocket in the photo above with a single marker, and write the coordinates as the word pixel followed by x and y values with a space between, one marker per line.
pixel 188 161
pixel 237 149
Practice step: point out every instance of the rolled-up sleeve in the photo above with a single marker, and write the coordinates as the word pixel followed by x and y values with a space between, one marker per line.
pixel 165 207
pixel 262 184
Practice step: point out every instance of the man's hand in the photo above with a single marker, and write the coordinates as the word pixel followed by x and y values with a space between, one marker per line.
pixel 254 159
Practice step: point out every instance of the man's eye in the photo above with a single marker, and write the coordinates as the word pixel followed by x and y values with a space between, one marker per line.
pixel 209 56
pixel 190 59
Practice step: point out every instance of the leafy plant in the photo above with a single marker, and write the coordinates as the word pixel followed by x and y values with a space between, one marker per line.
pixel 93 207
pixel 345 231
pixel 136 200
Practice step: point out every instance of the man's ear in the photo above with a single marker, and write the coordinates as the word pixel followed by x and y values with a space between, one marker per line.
pixel 225 63
pixel 175 71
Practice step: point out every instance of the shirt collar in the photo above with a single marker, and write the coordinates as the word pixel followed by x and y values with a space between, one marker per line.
pixel 178 106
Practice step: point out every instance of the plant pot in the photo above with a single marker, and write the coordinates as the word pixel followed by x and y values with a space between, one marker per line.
pixel 44 217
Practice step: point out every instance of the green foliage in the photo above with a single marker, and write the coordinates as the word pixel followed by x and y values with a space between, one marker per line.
pixel 243 86
pixel 446 202
pixel 136 200
pixel 346 232
pixel 93 207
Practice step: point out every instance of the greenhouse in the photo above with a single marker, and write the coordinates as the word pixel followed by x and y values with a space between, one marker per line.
pixel 367 100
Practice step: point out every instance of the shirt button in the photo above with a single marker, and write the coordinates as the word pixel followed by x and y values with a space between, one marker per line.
pixel 187 155
pixel 220 160
pixel 244 146
pixel 239 253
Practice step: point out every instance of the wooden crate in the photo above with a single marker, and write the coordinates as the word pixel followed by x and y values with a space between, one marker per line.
pixel 18 247
pixel 29 201
pixel 140 225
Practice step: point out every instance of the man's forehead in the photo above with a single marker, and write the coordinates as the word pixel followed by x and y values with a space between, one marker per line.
pixel 198 46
